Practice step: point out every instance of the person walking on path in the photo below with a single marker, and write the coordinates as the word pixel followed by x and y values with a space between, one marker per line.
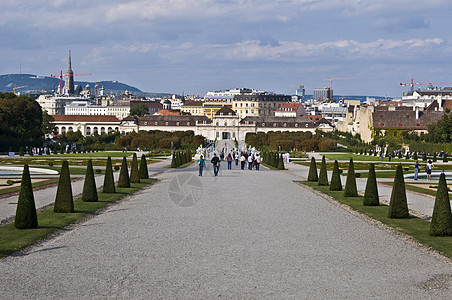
pixel 257 161
pixel 417 167
pixel 428 169
pixel 242 161
pixel 201 163
pixel 216 164
pixel 229 159
pixel 250 162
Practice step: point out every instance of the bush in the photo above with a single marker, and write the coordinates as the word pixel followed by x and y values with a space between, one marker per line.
pixel 116 168
pixel 350 183
pixel 371 194
pixel 143 168
pixel 134 175
pixel 312 175
pixel 398 206
pixel 109 181
pixel 64 203
pixel 335 184
pixel 281 163
pixel 26 216
pixel 124 180
pixel 89 187
pixel 441 224
pixel 323 176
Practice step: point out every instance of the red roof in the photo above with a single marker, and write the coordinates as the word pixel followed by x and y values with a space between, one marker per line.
pixel 85 118
pixel 289 107
pixel 168 112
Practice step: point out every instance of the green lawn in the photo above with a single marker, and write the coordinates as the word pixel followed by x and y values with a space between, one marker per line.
pixel 413 226
pixel 13 239
pixel 35 185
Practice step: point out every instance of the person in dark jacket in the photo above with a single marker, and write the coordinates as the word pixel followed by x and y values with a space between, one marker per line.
pixel 216 164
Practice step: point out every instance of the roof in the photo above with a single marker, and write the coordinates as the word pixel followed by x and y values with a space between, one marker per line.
pixel 168 112
pixel 405 119
pixel 160 120
pixel 279 122
pixel 225 111
pixel 149 104
pixel 86 118
pixel 313 118
pixel 192 103
pixel 291 106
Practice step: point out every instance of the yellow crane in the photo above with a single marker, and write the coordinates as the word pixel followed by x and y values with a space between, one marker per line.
pixel 331 84
pixel 15 88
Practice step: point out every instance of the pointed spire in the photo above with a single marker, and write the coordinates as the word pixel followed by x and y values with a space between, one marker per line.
pixel 69 66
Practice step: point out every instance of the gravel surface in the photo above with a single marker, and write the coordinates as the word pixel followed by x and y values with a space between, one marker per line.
pixel 249 235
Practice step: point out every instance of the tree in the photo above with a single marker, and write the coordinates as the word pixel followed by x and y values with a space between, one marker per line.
pixel 371 193
pixel 441 224
pixel 323 176
pixel 26 216
pixel 143 168
pixel 398 205
pixel 134 174
pixel 124 180
pixel 89 188
pixel 109 181
pixel 64 203
pixel 312 175
pixel 139 110
pixel 335 184
pixel 281 163
pixel 350 183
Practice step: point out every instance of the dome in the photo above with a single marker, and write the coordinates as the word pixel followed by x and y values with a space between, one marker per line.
pixel 167 102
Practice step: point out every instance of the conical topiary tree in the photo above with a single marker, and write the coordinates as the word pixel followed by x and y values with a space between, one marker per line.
pixel 124 180
pixel 350 183
pixel 64 203
pixel 312 175
pixel 323 176
pixel 371 193
pixel 281 163
pixel 26 216
pixel 407 156
pixel 434 157
pixel 445 157
pixel 335 184
pixel 173 160
pixel 398 206
pixel 134 175
pixel 143 168
pixel 89 188
pixel 109 180
pixel 441 224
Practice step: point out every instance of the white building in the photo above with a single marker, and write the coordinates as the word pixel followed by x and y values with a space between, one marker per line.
pixel 87 125
pixel 55 105
pixel 84 108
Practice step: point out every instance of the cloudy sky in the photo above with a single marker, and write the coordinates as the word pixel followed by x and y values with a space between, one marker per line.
pixel 196 46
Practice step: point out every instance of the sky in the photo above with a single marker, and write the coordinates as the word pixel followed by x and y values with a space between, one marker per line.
pixel 192 47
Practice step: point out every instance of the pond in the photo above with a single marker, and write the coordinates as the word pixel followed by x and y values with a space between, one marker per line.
pixel 18 170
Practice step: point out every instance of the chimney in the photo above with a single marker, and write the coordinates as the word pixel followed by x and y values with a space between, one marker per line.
pixel 417 113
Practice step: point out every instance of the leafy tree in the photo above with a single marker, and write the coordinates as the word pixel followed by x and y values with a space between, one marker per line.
pixel 312 175
pixel 109 181
pixel 89 188
pixel 124 180
pixel 335 184
pixel 47 125
pixel 398 205
pixel 350 183
pixel 323 176
pixel 139 110
pixel 26 216
pixel 64 203
pixel 371 193
pixel 441 224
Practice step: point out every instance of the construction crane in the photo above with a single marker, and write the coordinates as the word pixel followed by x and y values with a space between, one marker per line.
pixel 331 84
pixel 412 84
pixel 15 88
pixel 60 89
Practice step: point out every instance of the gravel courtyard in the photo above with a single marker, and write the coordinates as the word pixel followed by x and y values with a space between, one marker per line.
pixel 242 235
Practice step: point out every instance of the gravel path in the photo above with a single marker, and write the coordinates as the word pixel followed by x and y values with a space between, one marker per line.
pixel 250 235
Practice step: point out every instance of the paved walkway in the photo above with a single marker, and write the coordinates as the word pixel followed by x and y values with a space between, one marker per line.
pixel 249 235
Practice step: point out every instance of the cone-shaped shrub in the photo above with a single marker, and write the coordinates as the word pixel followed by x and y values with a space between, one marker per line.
pixel 424 156
pixel 281 163
pixel 335 184
pixel 442 217
pixel 173 160
pixel 64 202
pixel 109 180
pixel 143 168
pixel 134 175
pixel 312 175
pixel 415 156
pixel 21 151
pixel 350 183
pixel 434 157
pixel 398 206
pixel 323 176
pixel 124 180
pixel 371 193
pixel 89 188
pixel 26 216
pixel 400 154
pixel 445 158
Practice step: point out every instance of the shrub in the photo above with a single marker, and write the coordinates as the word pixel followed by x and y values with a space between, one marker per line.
pixel 398 206
pixel 64 203
pixel 124 180
pixel 143 168
pixel 281 163
pixel 445 157
pixel 116 168
pixel 173 160
pixel 350 183
pixel 335 184
pixel 312 175
pixel 134 175
pixel 323 176
pixel 21 151
pixel 441 224
pixel 371 193
pixel 434 157
pixel 109 181
pixel 89 188
pixel 26 216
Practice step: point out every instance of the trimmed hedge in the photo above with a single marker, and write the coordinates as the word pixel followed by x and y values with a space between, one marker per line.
pixel 398 205
pixel 26 217
pixel 441 224
pixel 64 202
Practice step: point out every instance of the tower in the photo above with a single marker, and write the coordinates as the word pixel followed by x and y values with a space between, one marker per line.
pixel 69 80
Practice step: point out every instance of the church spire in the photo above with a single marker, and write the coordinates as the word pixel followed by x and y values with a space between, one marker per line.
pixel 69 66
pixel 69 80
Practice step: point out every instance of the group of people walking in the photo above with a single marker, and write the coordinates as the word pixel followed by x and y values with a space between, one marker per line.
pixel 246 159
pixel 428 169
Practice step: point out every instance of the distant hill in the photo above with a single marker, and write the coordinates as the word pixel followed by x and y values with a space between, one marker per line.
pixel 30 82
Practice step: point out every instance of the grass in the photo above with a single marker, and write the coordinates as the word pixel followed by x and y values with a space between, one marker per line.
pixel 35 185
pixel 413 226
pixel 13 239
pixel 91 154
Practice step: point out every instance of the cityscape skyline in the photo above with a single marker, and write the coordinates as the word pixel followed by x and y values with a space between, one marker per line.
pixel 194 47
